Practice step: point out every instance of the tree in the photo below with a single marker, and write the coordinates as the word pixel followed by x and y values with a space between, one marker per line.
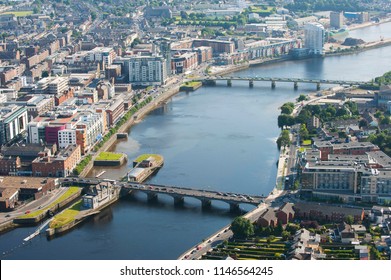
pixel 287 108
pixel 242 227
pixel 302 97
pixel 285 235
pixel 363 123
pixel 304 134
pixel 284 139
pixel 349 219
pixel 270 239
pixel 285 120
pixel 279 229
pixel 184 15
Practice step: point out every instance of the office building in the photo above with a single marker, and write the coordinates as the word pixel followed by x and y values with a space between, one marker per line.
pixel 336 20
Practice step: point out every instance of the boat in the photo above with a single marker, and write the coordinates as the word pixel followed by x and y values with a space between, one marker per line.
pixel 100 174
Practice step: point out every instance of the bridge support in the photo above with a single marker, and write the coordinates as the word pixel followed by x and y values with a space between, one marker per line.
pixel 206 204
pixel 209 82
pixel 273 84
pixel 234 207
pixel 251 83
pixel 179 200
pixel 295 86
pixel 317 86
pixel 152 197
pixel 229 83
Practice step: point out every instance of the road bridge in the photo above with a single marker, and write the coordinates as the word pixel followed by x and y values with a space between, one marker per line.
pixel 211 80
pixel 177 193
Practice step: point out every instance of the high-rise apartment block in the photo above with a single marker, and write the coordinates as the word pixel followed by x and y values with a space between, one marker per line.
pixel 314 37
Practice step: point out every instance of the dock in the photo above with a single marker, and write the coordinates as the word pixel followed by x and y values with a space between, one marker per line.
pixel 37 232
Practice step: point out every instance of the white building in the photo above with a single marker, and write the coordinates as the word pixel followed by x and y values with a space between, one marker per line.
pixel 10 93
pixel 52 85
pixel 147 70
pixel 13 121
pixel 314 37
pixel 36 132
pixel 102 54
pixel 66 137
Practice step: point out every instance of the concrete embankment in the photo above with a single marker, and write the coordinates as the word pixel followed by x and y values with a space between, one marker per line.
pixel 55 208
pixel 52 232
pixel 7 226
pixel 167 94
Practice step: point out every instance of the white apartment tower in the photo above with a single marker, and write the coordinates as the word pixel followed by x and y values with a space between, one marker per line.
pixel 147 70
pixel 314 37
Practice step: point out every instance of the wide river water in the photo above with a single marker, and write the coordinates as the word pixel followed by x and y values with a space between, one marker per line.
pixel 216 138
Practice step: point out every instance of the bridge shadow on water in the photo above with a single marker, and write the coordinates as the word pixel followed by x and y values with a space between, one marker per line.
pixel 190 205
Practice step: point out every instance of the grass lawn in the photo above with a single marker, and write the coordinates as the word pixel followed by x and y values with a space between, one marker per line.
pixel 67 216
pixel 109 156
pixel 145 156
pixel 307 142
pixel 302 150
pixel 19 13
pixel 64 196
pixel 191 84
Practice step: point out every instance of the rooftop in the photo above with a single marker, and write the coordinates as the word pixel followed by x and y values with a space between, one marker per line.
pixel 17 182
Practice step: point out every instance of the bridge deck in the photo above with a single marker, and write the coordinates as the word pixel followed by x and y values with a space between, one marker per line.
pixel 277 79
pixel 196 193
pixel 174 191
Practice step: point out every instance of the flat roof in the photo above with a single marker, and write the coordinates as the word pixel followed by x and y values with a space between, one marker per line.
pixel 18 182
pixel 135 172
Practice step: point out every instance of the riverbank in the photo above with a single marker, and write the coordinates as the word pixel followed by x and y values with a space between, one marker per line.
pixel 361 48
pixel 167 93
pixel 368 24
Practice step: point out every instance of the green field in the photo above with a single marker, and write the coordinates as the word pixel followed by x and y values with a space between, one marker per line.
pixel 71 191
pixel 67 216
pixel 307 142
pixel 145 156
pixel 18 13
pixel 109 156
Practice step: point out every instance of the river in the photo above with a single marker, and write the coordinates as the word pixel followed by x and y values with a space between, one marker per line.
pixel 216 138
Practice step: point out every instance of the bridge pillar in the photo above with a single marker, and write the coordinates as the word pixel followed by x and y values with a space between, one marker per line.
pixel 234 207
pixel 179 200
pixel 295 85
pixel 209 82
pixel 273 84
pixel 251 83
pixel 317 86
pixel 152 197
pixel 229 83
pixel 206 204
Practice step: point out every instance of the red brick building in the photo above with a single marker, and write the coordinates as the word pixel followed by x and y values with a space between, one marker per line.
pixel 60 165
pixel 9 165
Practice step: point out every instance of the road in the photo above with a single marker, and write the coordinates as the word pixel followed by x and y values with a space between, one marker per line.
pixel 225 233
pixel 33 205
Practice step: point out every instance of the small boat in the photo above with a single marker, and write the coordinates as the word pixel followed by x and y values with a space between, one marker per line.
pixel 100 174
